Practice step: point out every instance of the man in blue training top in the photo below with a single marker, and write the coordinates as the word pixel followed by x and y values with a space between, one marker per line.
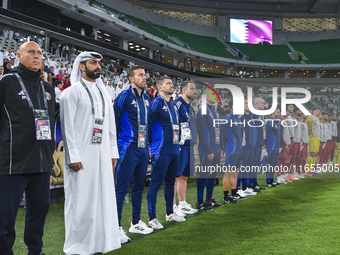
pixel 210 149
pixel 248 143
pixel 187 143
pixel 131 112
pixel 272 145
pixel 260 124
pixel 233 137
pixel 164 136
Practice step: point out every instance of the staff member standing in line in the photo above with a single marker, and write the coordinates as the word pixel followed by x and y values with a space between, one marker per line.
pixel 187 143
pixel 210 149
pixel 164 136
pixel 26 148
pixel 131 110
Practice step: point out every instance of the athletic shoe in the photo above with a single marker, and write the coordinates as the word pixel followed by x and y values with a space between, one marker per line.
pixel 229 200
pixel 174 217
pixel 204 207
pixel 254 189
pixel 276 183
pixel 281 180
pixel 178 212
pixel 295 176
pixel 123 237
pixel 238 197
pixel 270 184
pixel 241 193
pixel 290 178
pixel 259 187
pixel 155 224
pixel 187 209
pixel 213 203
pixel 140 228
pixel 249 192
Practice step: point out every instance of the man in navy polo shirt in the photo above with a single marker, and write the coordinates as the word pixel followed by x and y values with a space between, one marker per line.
pixel 164 135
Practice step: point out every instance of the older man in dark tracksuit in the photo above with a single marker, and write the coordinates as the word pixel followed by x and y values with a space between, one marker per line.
pixel 26 148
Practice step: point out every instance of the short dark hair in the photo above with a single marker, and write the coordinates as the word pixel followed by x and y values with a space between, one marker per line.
pixel 131 71
pixel 325 113
pixel 160 80
pixel 57 82
pixel 185 84
pixel 231 102
pixel 287 106
pixel 315 108
pixel 296 109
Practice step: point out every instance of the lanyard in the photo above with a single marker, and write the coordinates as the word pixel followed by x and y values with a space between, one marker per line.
pixel 26 93
pixel 138 110
pixel 92 104
pixel 212 117
pixel 166 105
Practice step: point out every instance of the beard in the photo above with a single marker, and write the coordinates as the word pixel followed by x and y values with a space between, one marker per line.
pixel 91 74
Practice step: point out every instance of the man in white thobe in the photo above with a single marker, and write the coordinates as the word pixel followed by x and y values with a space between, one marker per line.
pixel 111 90
pixel 89 132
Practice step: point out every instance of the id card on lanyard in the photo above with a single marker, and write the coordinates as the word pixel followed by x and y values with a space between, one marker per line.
pixel 175 127
pixel 141 138
pixel 217 129
pixel 97 133
pixel 41 118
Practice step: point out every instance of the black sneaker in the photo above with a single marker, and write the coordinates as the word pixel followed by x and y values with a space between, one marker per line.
pixel 254 188
pixel 270 185
pixel 259 187
pixel 238 197
pixel 213 203
pixel 276 183
pixel 204 207
pixel 229 200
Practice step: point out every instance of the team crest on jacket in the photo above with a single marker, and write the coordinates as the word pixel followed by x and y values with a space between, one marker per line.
pixel 146 102
pixel 48 96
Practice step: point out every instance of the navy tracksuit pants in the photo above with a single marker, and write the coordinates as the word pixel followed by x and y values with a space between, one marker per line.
pixel 37 191
pixel 164 168
pixel 132 166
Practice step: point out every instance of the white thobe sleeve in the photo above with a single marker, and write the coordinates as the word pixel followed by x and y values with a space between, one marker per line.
pixel 113 135
pixel 68 107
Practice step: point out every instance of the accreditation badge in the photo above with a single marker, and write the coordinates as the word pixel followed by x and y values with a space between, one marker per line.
pixel 175 134
pixel 141 136
pixel 42 125
pixel 185 131
pixel 217 135
pixel 97 134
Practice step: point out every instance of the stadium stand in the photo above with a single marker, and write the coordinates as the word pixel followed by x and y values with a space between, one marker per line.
pixel 319 52
pixel 266 53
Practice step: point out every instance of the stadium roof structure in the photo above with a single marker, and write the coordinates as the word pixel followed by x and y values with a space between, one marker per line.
pixel 279 8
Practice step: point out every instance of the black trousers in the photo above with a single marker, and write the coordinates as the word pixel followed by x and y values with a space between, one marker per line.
pixel 37 190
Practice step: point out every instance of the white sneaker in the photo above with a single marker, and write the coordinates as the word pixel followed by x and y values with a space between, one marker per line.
pixel 140 228
pixel 155 224
pixel 187 209
pixel 178 211
pixel 249 192
pixel 241 193
pixel 174 217
pixel 123 237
